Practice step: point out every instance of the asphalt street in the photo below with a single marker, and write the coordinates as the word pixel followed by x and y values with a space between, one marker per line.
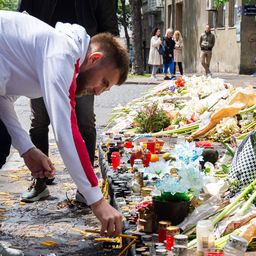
pixel 102 106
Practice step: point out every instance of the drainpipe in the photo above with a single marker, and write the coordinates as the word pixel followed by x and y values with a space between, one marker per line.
pixel 165 28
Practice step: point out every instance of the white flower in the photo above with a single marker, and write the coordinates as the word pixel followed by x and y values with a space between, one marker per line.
pixel 157 169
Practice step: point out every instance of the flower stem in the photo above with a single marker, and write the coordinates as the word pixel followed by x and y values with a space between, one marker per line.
pixel 227 209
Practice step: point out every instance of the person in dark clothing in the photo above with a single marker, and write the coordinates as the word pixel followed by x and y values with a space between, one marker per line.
pixel 5 141
pixel 168 54
pixel 207 42
pixel 95 16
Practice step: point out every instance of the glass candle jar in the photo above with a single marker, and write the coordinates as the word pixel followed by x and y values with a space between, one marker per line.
pixel 181 240
pixel 236 245
pixel 180 250
pixel 162 226
pixel 151 146
pixel 115 159
pixel 170 233
pixel 138 165
pixel 205 236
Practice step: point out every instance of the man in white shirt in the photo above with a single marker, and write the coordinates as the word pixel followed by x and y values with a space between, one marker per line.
pixel 58 64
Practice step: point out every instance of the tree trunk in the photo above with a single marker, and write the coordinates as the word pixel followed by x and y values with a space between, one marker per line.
pixel 138 67
pixel 125 24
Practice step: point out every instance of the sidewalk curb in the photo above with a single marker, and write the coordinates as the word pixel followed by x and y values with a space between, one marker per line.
pixel 143 82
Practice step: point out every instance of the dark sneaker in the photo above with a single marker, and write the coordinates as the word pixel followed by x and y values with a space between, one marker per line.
pixel 80 198
pixel 167 78
pixel 6 251
pixel 49 181
pixel 37 191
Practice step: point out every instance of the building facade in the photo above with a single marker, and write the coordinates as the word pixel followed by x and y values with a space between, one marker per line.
pixel 235 33
pixel 234 27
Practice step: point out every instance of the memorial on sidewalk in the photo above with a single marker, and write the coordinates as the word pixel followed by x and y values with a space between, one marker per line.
pixel 167 161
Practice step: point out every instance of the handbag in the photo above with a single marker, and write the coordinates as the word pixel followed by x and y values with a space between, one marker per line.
pixel 161 49
pixel 244 161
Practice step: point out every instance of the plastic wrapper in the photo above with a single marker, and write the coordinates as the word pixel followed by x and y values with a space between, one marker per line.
pixel 216 188
pixel 250 231
pixel 228 225
pixel 211 206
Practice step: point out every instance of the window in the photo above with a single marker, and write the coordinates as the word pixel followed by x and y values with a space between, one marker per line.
pixel 211 16
pixel 221 16
pixel 231 13
pixel 169 16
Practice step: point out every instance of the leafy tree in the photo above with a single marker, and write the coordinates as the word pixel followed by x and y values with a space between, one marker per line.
pixel 124 18
pixel 219 3
pixel 8 4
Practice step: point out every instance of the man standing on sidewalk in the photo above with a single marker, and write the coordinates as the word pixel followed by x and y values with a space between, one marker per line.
pixel 95 16
pixel 207 41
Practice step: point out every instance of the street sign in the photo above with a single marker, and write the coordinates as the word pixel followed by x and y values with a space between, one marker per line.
pixel 239 11
pixel 250 10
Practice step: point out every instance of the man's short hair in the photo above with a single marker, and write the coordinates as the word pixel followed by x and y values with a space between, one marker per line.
pixel 115 53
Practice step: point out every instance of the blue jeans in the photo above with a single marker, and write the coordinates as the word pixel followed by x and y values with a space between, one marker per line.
pixel 169 65
pixel 85 119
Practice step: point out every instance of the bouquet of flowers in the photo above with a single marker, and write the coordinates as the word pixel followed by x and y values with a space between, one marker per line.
pixel 145 207
pixel 180 179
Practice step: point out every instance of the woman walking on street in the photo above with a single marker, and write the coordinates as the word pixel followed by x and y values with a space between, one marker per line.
pixel 155 59
pixel 178 51
pixel 169 44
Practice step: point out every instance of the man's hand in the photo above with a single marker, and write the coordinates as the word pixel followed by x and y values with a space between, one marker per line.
pixel 110 218
pixel 38 163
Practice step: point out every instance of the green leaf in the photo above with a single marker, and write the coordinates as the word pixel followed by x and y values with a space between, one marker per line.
pixel 228 148
pixel 177 197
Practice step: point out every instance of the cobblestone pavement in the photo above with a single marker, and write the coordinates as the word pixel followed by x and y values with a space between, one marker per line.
pixel 27 226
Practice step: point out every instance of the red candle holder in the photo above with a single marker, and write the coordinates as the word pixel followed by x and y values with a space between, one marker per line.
pixel 116 159
pixel 151 146
pixel 128 144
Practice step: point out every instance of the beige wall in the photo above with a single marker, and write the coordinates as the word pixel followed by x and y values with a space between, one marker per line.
pixel 228 54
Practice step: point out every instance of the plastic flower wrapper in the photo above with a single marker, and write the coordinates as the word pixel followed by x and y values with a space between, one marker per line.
pixel 187 152
pixel 157 170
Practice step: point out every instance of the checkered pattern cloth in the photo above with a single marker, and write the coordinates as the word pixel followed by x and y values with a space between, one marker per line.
pixel 244 161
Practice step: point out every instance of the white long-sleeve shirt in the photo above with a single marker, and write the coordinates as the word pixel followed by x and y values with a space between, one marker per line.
pixel 37 60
